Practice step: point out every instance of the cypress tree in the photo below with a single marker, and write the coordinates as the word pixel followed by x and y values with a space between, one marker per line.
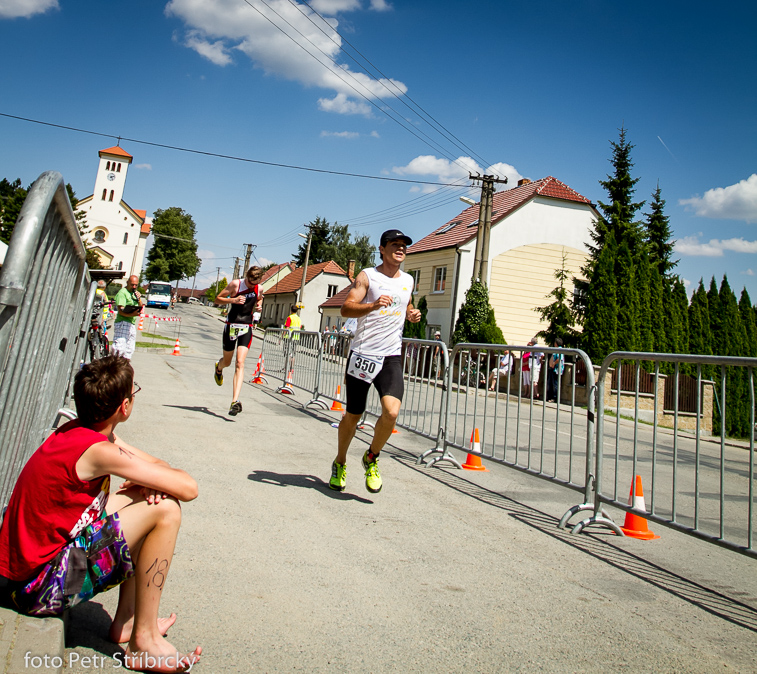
pixel 713 302
pixel 558 314
pixel 600 332
pixel 476 322
pixel 700 335
pixel 644 293
pixel 732 330
pixel 750 328
pixel 657 311
pixel 659 236
pixel 627 300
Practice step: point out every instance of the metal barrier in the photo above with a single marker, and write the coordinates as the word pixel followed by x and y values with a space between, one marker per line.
pixel 424 365
pixel 699 487
pixel 294 359
pixel 45 302
pixel 524 433
pixel 333 365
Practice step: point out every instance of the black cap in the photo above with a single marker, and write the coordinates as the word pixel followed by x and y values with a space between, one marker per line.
pixel 393 235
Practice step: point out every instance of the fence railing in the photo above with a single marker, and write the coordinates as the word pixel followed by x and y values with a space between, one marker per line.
pixel 550 430
pixel 702 488
pixel 45 303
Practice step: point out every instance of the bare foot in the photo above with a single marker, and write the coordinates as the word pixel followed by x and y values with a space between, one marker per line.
pixel 162 661
pixel 120 634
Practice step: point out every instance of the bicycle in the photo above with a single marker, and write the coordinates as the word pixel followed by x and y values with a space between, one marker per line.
pixel 97 338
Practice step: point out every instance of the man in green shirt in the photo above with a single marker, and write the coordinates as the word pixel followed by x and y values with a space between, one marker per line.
pixel 125 326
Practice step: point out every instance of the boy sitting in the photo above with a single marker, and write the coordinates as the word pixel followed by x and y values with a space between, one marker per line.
pixel 59 546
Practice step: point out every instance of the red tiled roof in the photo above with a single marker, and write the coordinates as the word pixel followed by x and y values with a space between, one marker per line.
pixel 188 292
pixel 292 282
pixel 504 203
pixel 116 150
pixel 146 226
pixel 338 299
pixel 276 269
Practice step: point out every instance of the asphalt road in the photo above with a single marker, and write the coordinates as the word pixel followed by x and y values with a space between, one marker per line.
pixel 444 570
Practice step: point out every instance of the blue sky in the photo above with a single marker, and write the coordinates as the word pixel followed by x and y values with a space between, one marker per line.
pixel 521 89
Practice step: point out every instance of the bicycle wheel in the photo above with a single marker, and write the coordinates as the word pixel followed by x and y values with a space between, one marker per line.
pixel 106 344
pixel 96 346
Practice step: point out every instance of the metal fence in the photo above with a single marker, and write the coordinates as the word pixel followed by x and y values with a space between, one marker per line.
pixel 46 298
pixel 159 330
pixel 692 484
pixel 485 404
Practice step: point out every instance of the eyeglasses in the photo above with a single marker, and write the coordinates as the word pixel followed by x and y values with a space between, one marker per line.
pixel 137 389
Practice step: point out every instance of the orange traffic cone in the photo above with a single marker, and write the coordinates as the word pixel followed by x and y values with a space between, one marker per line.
pixel 141 322
pixel 636 526
pixel 473 462
pixel 176 349
pixel 336 406
pixel 257 376
pixel 287 387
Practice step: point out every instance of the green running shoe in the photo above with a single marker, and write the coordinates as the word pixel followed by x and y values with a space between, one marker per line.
pixel 218 376
pixel 372 476
pixel 338 476
pixel 236 408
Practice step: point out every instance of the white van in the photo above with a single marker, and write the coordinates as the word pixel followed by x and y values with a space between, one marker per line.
pixel 193 300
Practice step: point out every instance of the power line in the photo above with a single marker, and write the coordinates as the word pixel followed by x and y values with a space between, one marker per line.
pixel 219 155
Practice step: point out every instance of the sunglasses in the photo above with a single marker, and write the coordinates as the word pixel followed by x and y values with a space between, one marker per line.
pixel 137 389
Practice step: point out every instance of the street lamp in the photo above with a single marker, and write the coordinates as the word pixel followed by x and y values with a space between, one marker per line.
pixel 468 201
pixel 301 302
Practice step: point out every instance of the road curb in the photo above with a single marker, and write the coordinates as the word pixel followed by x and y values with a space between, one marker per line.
pixel 23 638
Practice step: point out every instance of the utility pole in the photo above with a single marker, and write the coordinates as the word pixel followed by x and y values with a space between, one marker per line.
pixel 247 256
pixel 218 277
pixel 301 302
pixel 236 273
pixel 481 263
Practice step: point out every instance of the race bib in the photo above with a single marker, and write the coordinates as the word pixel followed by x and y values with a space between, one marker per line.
pixel 237 329
pixel 364 367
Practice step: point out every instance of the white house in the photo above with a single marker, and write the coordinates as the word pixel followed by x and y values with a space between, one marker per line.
pixel 117 231
pixel 533 226
pixel 324 280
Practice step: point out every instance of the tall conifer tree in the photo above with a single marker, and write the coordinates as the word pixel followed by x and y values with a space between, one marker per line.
pixel 700 334
pixel 659 236
pixel 627 300
pixel 600 332
pixel 643 282
pixel 657 311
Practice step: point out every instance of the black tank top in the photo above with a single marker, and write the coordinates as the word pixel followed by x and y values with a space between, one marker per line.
pixel 242 313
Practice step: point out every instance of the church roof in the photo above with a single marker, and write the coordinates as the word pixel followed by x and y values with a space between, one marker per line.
pixel 146 226
pixel 461 228
pixel 117 151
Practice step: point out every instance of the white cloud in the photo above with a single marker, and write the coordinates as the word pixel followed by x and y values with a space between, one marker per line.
pixel 748 272
pixel 735 202
pixel 16 9
pixel 262 32
pixel 215 52
pixel 145 167
pixel 690 245
pixel 380 5
pixel 375 134
pixel 446 171
pixel 349 135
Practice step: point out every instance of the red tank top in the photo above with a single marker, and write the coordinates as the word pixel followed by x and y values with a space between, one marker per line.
pixel 50 505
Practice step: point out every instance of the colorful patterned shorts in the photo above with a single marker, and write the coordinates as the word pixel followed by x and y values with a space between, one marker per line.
pixel 95 561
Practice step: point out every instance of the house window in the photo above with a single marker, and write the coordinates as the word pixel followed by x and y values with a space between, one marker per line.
pixel 111 196
pixel 107 166
pixel 105 193
pixel 446 228
pixel 118 169
pixel 440 278
pixel 416 274
pixel 126 238
pixel 332 291
pixel 99 236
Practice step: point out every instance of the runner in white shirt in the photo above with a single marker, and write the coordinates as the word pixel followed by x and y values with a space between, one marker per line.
pixel 380 299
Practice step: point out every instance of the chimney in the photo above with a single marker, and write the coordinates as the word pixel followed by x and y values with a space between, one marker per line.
pixel 523 181
pixel 351 270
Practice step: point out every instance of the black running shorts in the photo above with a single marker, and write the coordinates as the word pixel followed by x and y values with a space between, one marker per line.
pixel 388 382
pixel 243 340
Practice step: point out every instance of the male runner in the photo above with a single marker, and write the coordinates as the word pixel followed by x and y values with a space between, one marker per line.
pixel 128 303
pixel 380 299
pixel 244 297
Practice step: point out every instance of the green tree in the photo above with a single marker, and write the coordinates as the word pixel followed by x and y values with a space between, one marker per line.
pixel 342 249
pixel 627 300
pixel 476 322
pixel 558 314
pixel 643 282
pixel 320 243
pixel 173 255
pixel 657 311
pixel 12 197
pixel 93 259
pixel 700 335
pixel 417 330
pixel 600 333
pixel 212 292
pixel 733 334
pixel 750 327
pixel 658 236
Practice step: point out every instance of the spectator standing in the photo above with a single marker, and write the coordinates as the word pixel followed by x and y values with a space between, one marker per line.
pixel 128 306
pixel 555 368
pixel 531 370
pixel 504 368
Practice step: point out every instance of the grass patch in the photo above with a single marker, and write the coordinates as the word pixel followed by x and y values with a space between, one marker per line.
pixel 156 336
pixel 153 345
